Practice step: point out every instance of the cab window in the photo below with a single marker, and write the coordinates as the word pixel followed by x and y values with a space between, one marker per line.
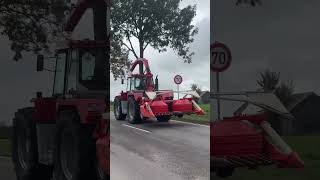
pixel 59 77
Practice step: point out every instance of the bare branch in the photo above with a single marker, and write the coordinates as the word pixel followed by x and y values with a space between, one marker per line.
pixel 132 49
pixel 146 46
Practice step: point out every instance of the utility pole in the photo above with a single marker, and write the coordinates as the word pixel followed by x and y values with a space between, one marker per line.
pixel 101 28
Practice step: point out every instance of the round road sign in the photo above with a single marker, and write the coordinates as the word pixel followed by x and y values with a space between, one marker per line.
pixel 220 58
pixel 177 79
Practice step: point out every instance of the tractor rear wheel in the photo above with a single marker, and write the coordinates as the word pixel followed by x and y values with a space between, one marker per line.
pixel 101 175
pixel 165 118
pixel 133 115
pixel 117 109
pixel 75 157
pixel 25 148
pixel 224 172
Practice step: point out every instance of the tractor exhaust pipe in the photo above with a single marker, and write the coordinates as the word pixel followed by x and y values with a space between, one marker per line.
pixel 156 85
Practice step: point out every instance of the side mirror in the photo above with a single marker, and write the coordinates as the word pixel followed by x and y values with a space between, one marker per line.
pixel 39 94
pixel 122 81
pixel 156 85
pixel 40 62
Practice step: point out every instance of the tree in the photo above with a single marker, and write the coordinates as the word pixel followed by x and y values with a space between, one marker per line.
pixel 250 2
pixel 270 82
pixel 119 61
pixel 195 87
pixel 155 23
pixel 31 25
pixel 284 92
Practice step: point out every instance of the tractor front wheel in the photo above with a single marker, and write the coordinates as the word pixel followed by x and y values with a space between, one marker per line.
pixel 117 109
pixel 133 115
pixel 75 157
pixel 25 149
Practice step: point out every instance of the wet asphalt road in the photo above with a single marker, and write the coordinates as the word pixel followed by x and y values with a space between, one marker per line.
pixel 152 150
pixel 6 169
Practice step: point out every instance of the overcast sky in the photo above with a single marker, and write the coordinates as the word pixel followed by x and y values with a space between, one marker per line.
pixel 279 35
pixel 168 64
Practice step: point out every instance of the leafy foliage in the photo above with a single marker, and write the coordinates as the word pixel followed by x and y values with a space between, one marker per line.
pixel 156 23
pixel 270 82
pixel 285 91
pixel 119 61
pixel 250 2
pixel 30 25
pixel 195 87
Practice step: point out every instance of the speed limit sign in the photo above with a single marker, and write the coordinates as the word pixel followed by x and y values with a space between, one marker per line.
pixel 177 79
pixel 220 58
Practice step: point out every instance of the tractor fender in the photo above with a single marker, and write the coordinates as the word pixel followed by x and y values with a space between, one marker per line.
pixel 137 96
pixel 89 110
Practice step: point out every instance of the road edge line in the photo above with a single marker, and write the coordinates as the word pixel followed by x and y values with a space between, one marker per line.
pixel 137 128
pixel 191 123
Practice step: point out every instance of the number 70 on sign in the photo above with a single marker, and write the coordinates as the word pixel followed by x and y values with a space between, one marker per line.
pixel 220 58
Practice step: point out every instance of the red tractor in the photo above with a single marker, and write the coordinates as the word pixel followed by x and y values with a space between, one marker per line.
pixel 143 100
pixel 67 135
pixel 249 140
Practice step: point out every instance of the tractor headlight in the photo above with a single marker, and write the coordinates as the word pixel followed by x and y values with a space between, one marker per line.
pixel 93 107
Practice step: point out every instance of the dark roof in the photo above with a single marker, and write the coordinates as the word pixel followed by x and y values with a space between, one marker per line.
pixel 299 98
pixel 203 93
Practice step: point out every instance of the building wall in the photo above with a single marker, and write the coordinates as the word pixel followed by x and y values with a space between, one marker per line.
pixel 307 116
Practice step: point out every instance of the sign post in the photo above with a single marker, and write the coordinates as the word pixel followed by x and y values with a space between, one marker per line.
pixel 220 60
pixel 178 80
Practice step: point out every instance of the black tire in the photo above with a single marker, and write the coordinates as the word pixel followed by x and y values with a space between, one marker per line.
pixel 224 172
pixel 117 109
pixel 74 156
pixel 25 148
pixel 164 118
pixel 133 115
pixel 102 175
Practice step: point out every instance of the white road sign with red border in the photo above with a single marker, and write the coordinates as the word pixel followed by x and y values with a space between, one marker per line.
pixel 177 79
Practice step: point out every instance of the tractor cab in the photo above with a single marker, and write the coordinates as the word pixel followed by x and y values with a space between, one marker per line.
pixel 76 70
pixel 143 80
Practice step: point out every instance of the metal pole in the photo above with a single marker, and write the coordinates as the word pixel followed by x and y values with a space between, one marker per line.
pixel 218 99
pixel 178 90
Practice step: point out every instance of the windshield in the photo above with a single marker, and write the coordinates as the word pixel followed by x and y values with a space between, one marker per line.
pixel 139 83
pixel 91 74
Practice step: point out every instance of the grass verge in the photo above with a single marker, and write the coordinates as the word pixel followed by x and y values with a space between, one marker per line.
pixel 5 147
pixel 204 119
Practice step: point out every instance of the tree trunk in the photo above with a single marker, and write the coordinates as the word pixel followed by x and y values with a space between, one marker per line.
pixel 141 49
pixel 141 56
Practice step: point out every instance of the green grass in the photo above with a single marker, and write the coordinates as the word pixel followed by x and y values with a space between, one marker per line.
pixel 111 107
pixel 308 147
pixel 5 132
pixel 203 119
pixel 5 147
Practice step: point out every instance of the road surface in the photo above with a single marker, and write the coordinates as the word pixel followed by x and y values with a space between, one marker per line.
pixel 157 151
pixel 6 169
